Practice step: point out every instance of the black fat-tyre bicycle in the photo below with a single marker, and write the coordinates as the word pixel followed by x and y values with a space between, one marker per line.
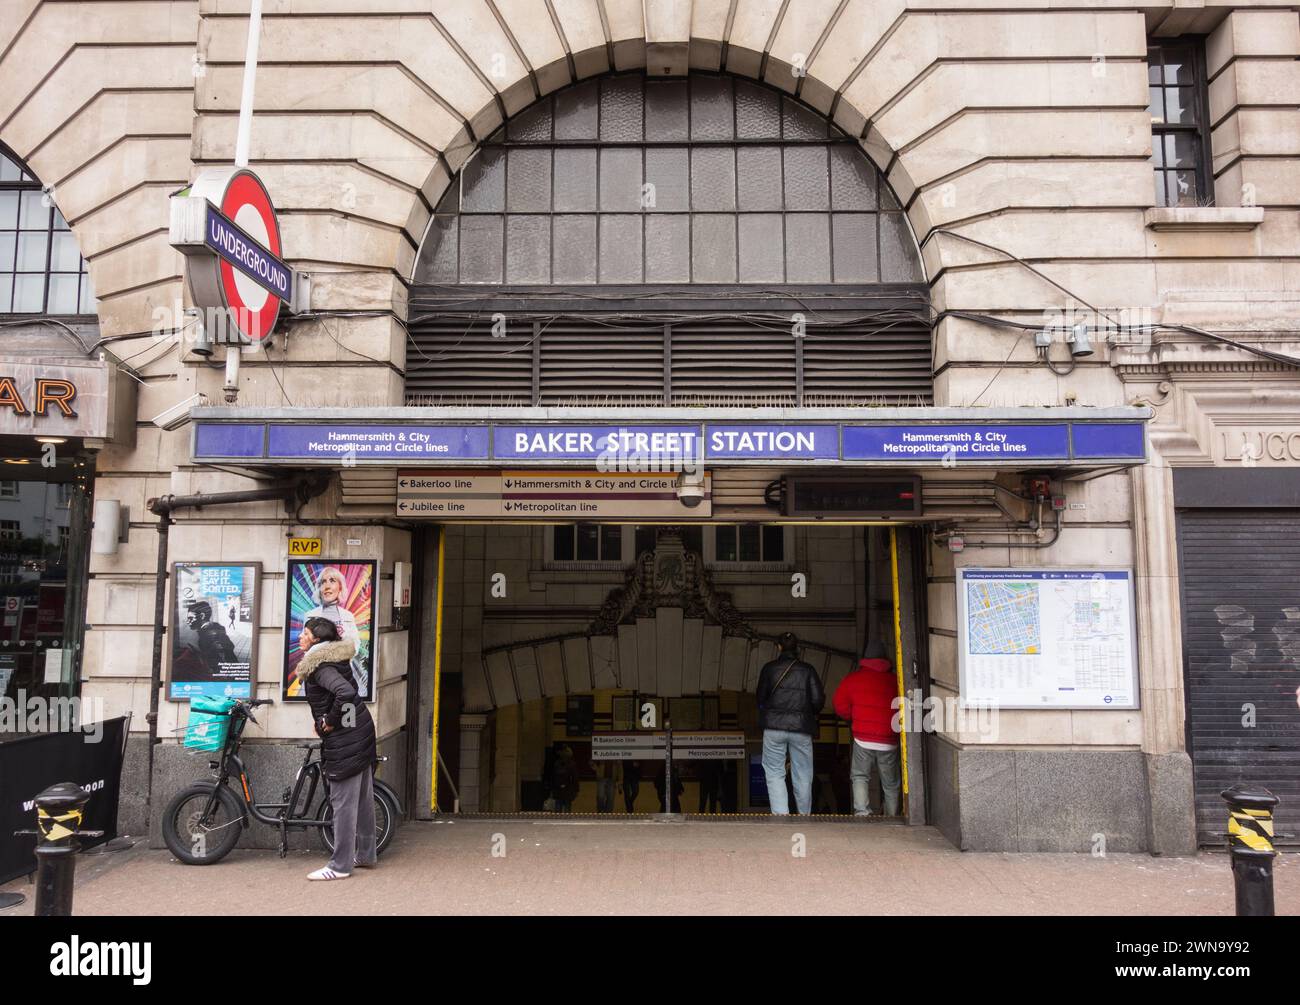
pixel 203 821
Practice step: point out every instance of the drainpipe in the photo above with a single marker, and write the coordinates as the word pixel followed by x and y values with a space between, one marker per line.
pixel 299 490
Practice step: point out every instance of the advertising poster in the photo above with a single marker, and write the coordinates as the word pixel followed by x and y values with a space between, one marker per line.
pixel 343 592
pixel 214 621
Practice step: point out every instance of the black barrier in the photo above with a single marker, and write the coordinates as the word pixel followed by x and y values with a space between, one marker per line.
pixel 89 757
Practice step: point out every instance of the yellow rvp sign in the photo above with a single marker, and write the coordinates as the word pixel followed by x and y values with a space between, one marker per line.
pixel 303 547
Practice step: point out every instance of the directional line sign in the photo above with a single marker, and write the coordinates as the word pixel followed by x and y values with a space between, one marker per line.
pixel 578 495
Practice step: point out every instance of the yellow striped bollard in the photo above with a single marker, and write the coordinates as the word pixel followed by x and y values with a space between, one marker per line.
pixel 1250 844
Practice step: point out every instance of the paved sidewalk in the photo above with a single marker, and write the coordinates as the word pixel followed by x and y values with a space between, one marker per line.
pixel 591 866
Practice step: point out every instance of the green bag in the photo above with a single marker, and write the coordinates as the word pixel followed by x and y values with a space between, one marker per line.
pixel 209 724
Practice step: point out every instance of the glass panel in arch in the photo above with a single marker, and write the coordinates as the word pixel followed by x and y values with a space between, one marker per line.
pixel 9 171
pixel 758 179
pixel 806 177
pixel 667 116
pixel 620 180
pixel 897 251
pixel 758 112
pixel 576 112
pixel 32 213
pixel 713 248
pixel 713 178
pixel 575 180
pixel 668 170
pixel 621 108
pixel 438 255
pixel 528 249
pixel 798 123
pixel 32 249
pixel 64 254
pixel 87 302
pixel 575 249
pixel 528 181
pixel 480 249
pixel 712 114
pixel 667 248
pixel 807 248
pixel 620 249
pixel 483 182
pixel 761 248
pixel 450 201
pixel 853 179
pixel 29 293
pixel 532 124
pixel 853 248
pixel 63 294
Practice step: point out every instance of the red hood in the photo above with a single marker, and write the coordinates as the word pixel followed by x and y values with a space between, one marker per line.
pixel 878 665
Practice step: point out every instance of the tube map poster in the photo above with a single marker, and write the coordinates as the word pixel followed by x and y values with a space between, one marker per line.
pixel 1058 638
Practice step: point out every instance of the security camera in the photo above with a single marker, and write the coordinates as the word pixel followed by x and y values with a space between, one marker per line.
pixel 178 414
pixel 690 489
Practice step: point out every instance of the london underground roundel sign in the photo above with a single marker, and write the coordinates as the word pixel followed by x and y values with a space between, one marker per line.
pixel 234 259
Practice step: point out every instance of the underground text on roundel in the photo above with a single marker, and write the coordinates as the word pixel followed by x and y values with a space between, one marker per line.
pixel 248 255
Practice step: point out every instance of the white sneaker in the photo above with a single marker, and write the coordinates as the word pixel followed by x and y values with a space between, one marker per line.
pixel 325 872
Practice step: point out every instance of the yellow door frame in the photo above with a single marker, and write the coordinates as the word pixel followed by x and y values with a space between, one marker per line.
pixel 437 670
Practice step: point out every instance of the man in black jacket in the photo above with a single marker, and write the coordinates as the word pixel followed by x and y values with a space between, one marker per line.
pixel 347 732
pixel 789 698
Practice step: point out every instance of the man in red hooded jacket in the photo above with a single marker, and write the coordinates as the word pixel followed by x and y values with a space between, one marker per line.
pixel 866 698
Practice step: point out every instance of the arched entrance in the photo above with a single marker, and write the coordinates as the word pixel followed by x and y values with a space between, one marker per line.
pixel 660 244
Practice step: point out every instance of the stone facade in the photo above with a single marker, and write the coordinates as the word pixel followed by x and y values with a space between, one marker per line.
pixel 1015 136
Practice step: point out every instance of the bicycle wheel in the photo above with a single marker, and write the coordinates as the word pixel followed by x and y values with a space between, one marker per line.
pixel 193 839
pixel 385 823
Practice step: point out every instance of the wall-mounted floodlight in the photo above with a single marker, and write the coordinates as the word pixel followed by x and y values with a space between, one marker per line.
pixel 1078 339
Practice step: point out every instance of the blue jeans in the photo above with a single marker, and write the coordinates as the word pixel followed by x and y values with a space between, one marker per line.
pixel 776 744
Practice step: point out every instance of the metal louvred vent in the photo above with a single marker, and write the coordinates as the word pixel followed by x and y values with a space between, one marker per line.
pixel 459 360
pixel 583 361
pixel 846 364
pixel 704 361
pixel 714 362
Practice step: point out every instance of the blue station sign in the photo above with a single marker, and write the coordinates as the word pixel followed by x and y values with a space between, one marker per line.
pixel 662 446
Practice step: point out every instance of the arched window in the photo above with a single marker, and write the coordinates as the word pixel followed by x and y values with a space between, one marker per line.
pixel 651 242
pixel 41 268
pixel 629 180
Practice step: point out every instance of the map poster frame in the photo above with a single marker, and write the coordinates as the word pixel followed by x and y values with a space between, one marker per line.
pixel 976 669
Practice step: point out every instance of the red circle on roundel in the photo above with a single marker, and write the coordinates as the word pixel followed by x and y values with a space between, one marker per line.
pixel 246 190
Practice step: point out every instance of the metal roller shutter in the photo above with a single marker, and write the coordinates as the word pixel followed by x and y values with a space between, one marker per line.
pixel 1241 647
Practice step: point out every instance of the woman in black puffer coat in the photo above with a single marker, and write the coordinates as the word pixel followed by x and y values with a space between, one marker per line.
pixel 348 752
